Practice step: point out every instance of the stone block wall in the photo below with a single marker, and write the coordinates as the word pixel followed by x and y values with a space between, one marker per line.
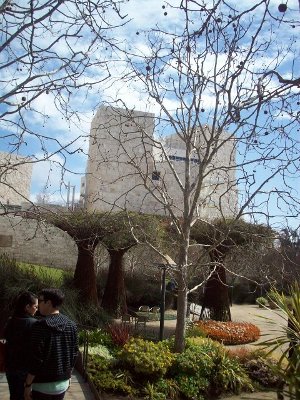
pixel 35 242
pixel 15 179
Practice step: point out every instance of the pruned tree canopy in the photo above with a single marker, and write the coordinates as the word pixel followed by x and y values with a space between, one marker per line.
pixel 227 234
pixel 219 237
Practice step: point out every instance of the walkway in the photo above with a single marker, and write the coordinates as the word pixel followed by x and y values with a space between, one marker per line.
pixel 79 389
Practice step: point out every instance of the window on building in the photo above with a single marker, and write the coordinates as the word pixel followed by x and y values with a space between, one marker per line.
pixel 156 175
pixel 177 158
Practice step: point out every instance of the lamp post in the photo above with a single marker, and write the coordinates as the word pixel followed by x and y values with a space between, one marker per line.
pixel 162 301
pixel 166 262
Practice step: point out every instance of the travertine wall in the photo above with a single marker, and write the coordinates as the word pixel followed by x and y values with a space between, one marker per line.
pixel 15 179
pixel 33 242
pixel 111 181
pixel 123 158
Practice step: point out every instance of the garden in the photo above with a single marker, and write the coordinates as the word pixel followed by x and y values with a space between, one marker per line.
pixel 121 361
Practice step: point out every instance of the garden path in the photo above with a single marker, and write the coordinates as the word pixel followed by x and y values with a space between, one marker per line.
pixel 79 389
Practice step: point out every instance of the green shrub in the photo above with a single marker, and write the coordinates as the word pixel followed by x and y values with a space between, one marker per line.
pixel 86 315
pixel 194 367
pixel 207 345
pixel 96 337
pixel 101 351
pixel 167 386
pixel 147 358
pixel 98 363
pixel 262 302
pixel 229 375
pixel 191 386
pixel 194 361
pixel 152 392
pixel 113 381
pixel 211 368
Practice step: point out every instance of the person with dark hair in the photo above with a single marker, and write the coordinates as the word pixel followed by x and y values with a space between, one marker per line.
pixel 54 348
pixel 17 333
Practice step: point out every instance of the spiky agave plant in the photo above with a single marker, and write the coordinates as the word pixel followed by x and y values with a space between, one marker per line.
pixel 288 340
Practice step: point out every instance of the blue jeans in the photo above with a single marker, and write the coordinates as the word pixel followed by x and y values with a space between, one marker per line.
pixel 15 380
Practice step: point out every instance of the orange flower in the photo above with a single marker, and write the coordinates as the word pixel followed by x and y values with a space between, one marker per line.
pixel 229 332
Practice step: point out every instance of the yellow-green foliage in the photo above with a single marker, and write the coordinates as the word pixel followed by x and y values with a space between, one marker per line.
pixel 114 381
pixel 99 350
pixel 191 387
pixel 55 274
pixel 208 345
pixel 147 357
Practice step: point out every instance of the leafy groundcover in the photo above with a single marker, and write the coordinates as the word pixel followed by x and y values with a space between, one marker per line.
pixel 139 368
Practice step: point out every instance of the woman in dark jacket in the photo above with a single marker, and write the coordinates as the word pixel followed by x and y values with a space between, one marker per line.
pixel 18 336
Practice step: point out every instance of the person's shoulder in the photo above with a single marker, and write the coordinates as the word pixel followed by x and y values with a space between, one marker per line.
pixel 31 321
pixel 38 323
pixel 66 317
pixel 69 321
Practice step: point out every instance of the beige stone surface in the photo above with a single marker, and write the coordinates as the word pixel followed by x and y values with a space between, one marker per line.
pixel 15 179
pixel 79 389
pixel 38 243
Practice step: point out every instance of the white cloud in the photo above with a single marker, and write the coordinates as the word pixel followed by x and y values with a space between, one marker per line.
pixel 51 178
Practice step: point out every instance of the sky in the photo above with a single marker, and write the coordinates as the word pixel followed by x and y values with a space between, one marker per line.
pixel 55 125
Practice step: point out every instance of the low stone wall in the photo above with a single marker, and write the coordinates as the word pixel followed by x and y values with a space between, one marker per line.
pixel 36 242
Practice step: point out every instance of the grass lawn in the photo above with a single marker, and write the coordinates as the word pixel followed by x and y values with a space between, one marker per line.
pixel 46 273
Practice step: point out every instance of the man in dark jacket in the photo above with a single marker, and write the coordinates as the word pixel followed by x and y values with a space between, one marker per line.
pixel 54 348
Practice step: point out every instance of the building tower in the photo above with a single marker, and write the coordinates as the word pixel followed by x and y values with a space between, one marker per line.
pixel 128 168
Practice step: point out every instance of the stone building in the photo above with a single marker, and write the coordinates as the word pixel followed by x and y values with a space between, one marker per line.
pixel 15 180
pixel 128 168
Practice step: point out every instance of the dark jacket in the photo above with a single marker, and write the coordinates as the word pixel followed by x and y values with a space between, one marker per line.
pixel 54 348
pixel 17 333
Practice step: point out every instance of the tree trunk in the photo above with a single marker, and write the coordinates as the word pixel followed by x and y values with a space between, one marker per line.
pixel 85 275
pixel 114 297
pixel 181 315
pixel 216 297
pixel 181 299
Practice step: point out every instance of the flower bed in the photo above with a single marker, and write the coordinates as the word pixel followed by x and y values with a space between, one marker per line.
pixel 229 332
pixel 143 369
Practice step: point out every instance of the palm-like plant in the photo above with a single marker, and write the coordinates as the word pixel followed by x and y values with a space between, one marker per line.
pixel 288 367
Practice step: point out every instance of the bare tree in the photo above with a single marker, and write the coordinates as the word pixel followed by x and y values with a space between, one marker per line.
pixel 54 53
pixel 223 82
